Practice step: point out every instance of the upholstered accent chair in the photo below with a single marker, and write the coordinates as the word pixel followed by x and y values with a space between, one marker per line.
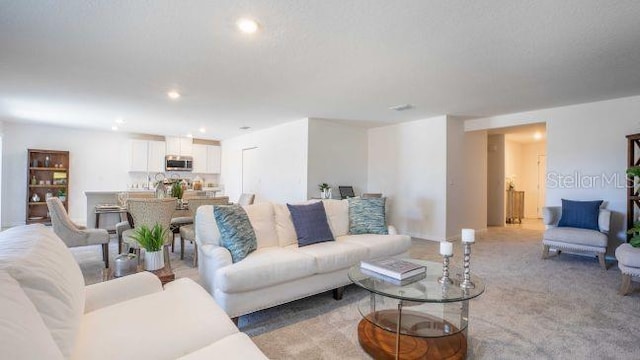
pixel 187 232
pixel 246 199
pixel 75 235
pixel 150 212
pixel 575 239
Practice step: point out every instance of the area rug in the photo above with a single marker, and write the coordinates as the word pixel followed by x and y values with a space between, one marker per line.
pixel 564 307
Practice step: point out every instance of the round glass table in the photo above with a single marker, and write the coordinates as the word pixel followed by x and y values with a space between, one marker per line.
pixel 422 319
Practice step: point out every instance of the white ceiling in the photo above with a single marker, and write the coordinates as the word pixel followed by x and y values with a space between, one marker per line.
pixel 83 63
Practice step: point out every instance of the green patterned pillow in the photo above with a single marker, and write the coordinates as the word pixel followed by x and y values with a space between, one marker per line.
pixel 236 232
pixel 366 216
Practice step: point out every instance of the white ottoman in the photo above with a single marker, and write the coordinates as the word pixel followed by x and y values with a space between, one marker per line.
pixel 629 264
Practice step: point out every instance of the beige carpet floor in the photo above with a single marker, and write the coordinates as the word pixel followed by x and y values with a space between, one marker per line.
pixel 564 307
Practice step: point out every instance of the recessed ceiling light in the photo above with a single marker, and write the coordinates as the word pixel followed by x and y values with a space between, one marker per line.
pixel 247 26
pixel 401 107
pixel 114 128
pixel 173 95
pixel 189 135
pixel 119 120
pixel 537 135
pixel 203 130
pixel 245 127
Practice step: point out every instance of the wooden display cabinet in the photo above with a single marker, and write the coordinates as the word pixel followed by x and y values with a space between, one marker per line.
pixel 47 173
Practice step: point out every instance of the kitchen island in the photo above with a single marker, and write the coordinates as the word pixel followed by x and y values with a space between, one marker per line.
pixel 108 220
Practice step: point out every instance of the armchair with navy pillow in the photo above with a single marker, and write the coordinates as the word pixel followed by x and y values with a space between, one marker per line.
pixel 580 226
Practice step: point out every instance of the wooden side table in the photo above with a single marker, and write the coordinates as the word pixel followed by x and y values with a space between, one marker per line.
pixel 165 274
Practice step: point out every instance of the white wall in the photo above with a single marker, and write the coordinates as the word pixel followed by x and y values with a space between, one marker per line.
pixel 474 204
pixel 408 163
pixel 584 142
pixel 337 156
pixel 513 168
pixel 466 179
pixel 495 180
pixel 281 158
pixel 98 161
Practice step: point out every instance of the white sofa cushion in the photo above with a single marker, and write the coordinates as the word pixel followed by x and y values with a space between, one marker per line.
pixel 206 227
pixel 23 334
pixel 141 329
pixel 576 236
pixel 284 226
pixel 264 267
pixel 332 255
pixel 49 276
pixel 263 220
pixel 338 216
pixel 237 346
pixel 379 245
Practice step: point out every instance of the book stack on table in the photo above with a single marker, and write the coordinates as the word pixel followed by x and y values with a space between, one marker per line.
pixel 396 271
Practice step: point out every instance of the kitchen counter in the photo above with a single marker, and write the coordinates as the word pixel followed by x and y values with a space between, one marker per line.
pixel 108 221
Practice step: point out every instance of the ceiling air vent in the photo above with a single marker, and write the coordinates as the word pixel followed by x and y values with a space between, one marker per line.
pixel 402 107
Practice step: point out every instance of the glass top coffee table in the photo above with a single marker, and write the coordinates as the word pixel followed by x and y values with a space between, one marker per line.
pixel 423 319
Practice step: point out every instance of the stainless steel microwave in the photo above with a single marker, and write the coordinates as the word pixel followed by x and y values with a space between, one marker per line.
pixel 178 163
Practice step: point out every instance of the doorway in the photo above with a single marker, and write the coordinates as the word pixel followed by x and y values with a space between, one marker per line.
pixel 516 175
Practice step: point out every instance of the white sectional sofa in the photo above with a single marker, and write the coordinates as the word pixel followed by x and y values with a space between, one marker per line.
pixel 48 313
pixel 279 271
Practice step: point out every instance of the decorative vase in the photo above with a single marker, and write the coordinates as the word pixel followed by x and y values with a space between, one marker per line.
pixel 153 260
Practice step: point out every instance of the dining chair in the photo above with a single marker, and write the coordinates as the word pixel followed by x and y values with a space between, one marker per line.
pixel 246 199
pixel 74 235
pixel 124 224
pixel 188 232
pixel 150 212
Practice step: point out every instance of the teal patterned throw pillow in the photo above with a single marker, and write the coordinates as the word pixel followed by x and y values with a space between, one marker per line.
pixel 236 232
pixel 366 216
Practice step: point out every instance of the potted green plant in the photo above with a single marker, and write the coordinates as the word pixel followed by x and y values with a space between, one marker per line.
pixel 634 175
pixel 635 234
pixel 152 241
pixel 176 190
pixel 325 191
pixel 62 195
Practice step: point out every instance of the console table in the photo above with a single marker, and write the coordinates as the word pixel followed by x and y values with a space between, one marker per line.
pixel 420 320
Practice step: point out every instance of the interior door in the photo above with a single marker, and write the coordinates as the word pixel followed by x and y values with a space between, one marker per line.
pixel 542 183
pixel 250 171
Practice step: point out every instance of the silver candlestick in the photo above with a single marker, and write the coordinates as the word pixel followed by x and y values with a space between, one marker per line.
pixel 466 280
pixel 444 279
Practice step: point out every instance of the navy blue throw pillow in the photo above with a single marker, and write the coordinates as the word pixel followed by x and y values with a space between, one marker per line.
pixel 310 222
pixel 580 214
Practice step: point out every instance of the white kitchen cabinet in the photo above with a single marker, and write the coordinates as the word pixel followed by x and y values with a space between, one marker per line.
pixel 186 146
pixel 180 146
pixel 147 156
pixel 200 158
pixel 139 155
pixel 156 153
pixel 213 159
pixel 173 145
pixel 206 159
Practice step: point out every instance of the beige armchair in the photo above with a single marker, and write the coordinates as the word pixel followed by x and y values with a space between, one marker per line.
pixel 75 235
pixel 574 239
pixel 150 212
pixel 187 232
